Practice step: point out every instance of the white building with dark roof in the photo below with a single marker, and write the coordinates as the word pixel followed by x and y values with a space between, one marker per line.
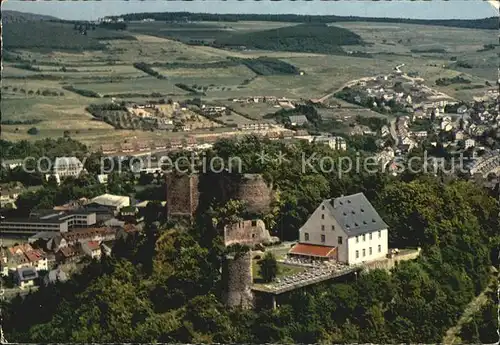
pixel 26 276
pixel 67 166
pixel 347 229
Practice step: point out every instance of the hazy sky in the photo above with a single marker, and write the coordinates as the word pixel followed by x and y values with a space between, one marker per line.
pixel 435 9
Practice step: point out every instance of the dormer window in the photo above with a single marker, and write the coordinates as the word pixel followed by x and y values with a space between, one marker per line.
pixel 362 210
pixel 353 212
pixel 348 201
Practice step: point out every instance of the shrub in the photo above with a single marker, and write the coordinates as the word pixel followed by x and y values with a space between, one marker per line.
pixel 33 131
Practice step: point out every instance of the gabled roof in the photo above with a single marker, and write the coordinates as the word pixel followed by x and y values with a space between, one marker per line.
pixel 93 245
pixel 355 214
pixel 110 200
pixel 65 162
pixel 300 119
pixel 27 273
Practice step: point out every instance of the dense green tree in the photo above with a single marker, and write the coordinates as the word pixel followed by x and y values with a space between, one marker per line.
pixel 268 267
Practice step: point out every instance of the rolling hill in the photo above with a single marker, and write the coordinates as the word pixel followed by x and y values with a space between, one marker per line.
pixel 311 38
pixel 23 17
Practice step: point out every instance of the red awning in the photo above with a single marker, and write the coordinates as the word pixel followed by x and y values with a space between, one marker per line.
pixel 312 250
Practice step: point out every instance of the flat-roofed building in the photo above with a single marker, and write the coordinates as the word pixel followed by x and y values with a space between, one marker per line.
pixel 52 222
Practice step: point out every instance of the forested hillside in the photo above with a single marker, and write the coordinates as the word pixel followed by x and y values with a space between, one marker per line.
pixel 22 17
pixel 312 38
pixel 161 285
pixel 55 35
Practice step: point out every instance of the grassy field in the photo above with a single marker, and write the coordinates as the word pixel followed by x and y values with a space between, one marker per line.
pixel 146 85
pixel 284 270
pixel 109 70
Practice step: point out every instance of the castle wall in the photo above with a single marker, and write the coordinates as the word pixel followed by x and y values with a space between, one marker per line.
pixel 247 232
pixel 390 263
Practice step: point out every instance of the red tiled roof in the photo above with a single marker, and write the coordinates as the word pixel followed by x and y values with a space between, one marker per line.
pixel 35 255
pixel 86 233
pixel 23 248
pixel 93 245
pixel 69 251
pixel 312 250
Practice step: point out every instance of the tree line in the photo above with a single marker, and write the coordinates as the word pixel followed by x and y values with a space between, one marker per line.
pixel 486 23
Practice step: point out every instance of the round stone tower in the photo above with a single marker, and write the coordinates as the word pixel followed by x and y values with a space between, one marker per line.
pixel 237 279
pixel 257 195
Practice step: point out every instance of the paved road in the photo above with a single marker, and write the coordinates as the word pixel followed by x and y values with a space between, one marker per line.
pixel 474 306
pixel 348 84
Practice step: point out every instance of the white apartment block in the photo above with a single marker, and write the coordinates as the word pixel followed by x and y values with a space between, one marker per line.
pixel 54 222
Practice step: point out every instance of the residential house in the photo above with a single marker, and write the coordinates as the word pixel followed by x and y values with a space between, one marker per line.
pixel 255 126
pixel 419 114
pixel 26 276
pixel 102 178
pixel 446 126
pixel 69 254
pixel 127 147
pixel 335 143
pixel 92 249
pixel 297 120
pixel 347 229
pixel 107 247
pixel 108 148
pixel 79 236
pixel 459 135
pixel 385 131
pixel 12 163
pixel 67 166
pixel 54 276
pixel 37 259
pixel 469 143
pixel 142 146
pixel 9 196
pixel 420 134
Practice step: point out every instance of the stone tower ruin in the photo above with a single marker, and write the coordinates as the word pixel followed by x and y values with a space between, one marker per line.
pixel 237 280
pixel 182 195
pixel 254 191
